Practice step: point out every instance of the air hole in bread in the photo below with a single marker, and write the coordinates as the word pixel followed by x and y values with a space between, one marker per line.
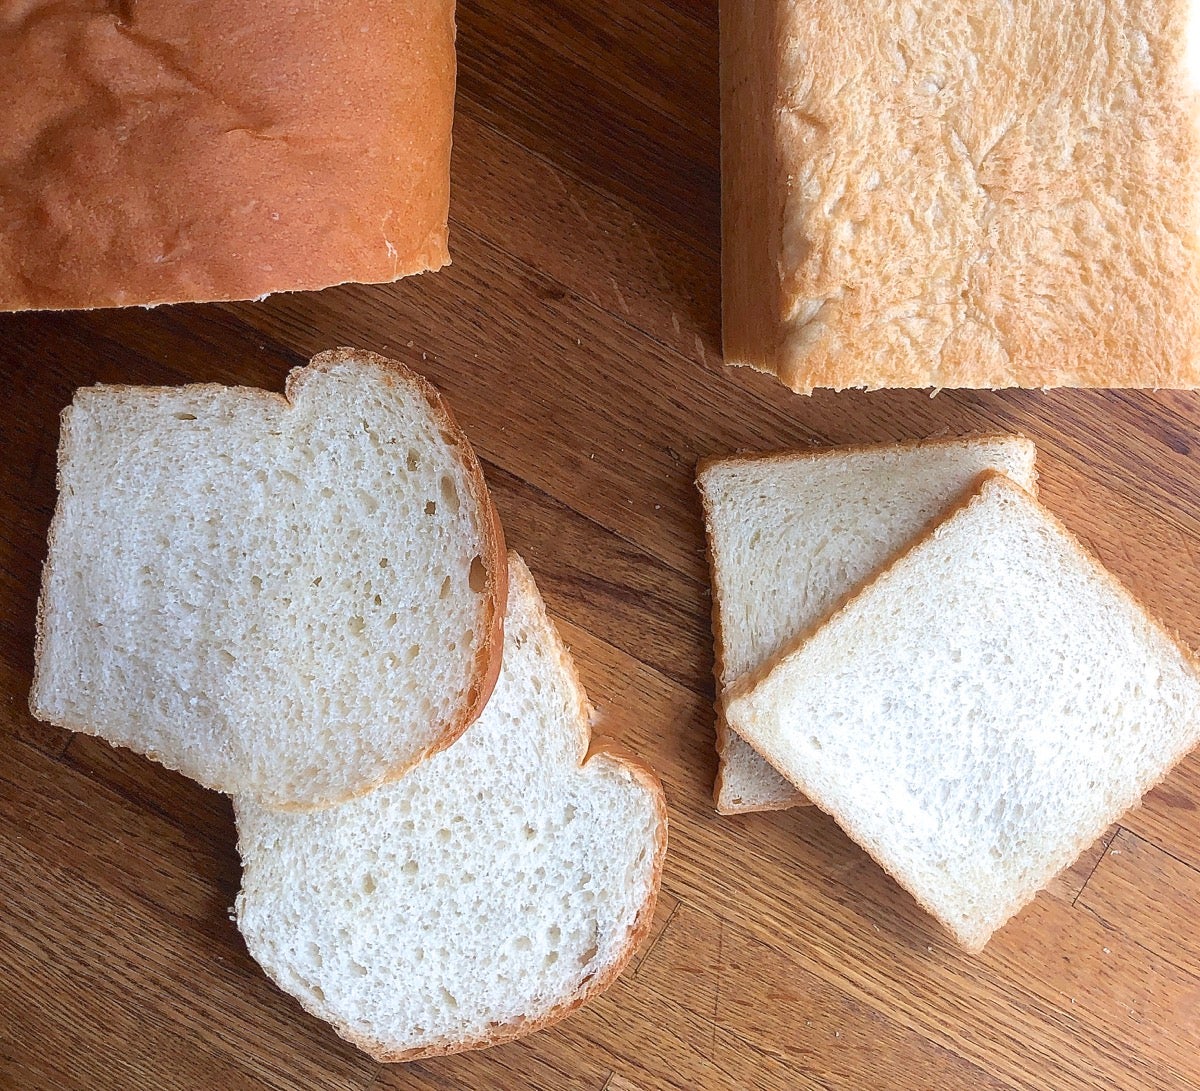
pixel 413 649
pixel 317 582
pixel 449 997
pixel 369 503
pixel 185 416
pixel 356 625
pixel 412 460
pixel 443 835
pixel 550 959
pixel 569 812
pixel 411 867
pixel 317 992
pixel 378 600
pixel 430 507
pixel 530 832
pixel 444 593
pixel 478 576
pixel 256 582
pixel 357 969
pixel 383 562
pixel 523 943
pixel 449 493
pixel 368 883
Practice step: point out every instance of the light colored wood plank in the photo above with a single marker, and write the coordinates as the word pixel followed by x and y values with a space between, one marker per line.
pixel 1147 894
pixel 1067 884
pixel 544 1062
pixel 769 1001
pixel 1169 816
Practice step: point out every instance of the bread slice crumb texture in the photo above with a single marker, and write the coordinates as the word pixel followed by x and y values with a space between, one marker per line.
pixel 790 534
pixel 979 713
pixel 486 893
pixel 293 597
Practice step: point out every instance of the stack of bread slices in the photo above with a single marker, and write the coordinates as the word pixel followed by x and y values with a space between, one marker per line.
pixel 909 640
pixel 304 601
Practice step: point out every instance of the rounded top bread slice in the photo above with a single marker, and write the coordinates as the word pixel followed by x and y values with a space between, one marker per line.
pixel 291 597
pixel 485 895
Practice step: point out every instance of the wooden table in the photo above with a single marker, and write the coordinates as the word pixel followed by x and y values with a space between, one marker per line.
pixel 577 337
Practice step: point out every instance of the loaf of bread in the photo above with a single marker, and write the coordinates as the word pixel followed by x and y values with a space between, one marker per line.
pixel 980 712
pixel 486 894
pixel 960 195
pixel 161 151
pixel 793 533
pixel 290 597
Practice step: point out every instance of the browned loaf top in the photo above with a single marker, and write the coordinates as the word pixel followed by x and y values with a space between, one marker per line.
pixel 162 152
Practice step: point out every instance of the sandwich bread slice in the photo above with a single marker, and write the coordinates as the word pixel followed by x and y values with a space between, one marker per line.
pixel 980 712
pixel 791 534
pixel 290 597
pixel 486 894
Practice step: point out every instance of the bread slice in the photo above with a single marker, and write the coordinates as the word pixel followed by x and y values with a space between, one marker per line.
pixel 965 195
pixel 791 534
pixel 980 712
pixel 293 597
pixel 485 895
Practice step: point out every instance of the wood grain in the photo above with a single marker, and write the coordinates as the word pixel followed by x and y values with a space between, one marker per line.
pixel 577 337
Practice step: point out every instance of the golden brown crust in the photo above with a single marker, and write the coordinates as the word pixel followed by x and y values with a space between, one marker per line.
pixel 974 199
pixel 163 152
pixel 751 457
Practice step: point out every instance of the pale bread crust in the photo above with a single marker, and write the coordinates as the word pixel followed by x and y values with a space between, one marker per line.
pixel 590 750
pixel 919 205
pixel 728 806
pixel 494 556
pixel 989 480
pixel 164 152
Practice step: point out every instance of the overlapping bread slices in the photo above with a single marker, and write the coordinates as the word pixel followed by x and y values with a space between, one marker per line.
pixel 488 893
pixel 790 534
pixel 980 711
pixel 300 601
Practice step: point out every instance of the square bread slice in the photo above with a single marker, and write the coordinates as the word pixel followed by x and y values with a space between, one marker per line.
pixel 295 597
pixel 961 195
pixel 980 712
pixel 791 534
pixel 498 886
